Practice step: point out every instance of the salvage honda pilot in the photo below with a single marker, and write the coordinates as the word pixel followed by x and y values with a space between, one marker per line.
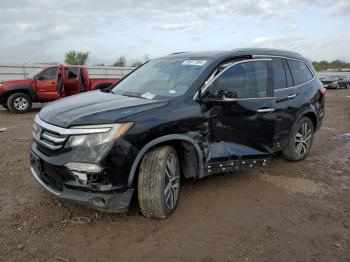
pixel 185 115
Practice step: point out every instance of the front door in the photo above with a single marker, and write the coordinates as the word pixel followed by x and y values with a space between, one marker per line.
pixel 46 84
pixel 242 126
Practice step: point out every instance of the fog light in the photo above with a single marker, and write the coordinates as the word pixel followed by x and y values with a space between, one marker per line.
pixel 81 177
pixel 83 167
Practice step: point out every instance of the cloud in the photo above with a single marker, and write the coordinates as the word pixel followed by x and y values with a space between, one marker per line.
pixel 36 30
pixel 189 27
pixel 274 42
pixel 332 7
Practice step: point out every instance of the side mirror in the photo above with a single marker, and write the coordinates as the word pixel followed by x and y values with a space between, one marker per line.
pixel 226 94
pixel 221 96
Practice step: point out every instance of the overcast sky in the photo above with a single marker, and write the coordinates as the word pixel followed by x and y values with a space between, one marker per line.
pixel 43 30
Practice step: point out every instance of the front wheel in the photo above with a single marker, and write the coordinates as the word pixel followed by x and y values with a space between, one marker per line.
pixel 19 103
pixel 159 182
pixel 300 141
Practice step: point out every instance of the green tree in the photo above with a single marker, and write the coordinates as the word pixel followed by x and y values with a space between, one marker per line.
pixel 316 66
pixel 335 64
pixel 76 58
pixel 121 61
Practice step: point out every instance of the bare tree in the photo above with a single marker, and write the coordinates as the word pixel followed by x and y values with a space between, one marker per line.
pixel 121 61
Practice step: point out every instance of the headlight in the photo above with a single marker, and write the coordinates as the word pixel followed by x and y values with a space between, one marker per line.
pixel 91 140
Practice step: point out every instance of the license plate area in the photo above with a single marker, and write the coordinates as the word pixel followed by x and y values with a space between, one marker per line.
pixel 35 162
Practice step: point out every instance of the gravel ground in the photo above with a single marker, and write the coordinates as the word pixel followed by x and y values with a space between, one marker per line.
pixel 286 212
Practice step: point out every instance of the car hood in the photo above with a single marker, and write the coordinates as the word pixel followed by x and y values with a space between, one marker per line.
pixel 95 108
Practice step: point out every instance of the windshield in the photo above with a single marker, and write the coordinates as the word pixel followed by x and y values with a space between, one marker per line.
pixel 34 73
pixel 162 78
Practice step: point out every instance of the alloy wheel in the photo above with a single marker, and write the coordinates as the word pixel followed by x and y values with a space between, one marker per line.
pixel 303 139
pixel 171 181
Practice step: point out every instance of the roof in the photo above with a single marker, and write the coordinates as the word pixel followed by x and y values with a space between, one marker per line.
pixel 237 52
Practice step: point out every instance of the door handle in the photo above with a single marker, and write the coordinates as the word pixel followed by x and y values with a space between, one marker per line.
pixel 292 96
pixel 265 110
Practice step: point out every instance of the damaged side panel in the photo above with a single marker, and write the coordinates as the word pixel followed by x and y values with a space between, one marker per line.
pixel 235 132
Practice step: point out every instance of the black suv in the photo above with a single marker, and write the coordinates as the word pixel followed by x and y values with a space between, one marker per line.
pixel 185 115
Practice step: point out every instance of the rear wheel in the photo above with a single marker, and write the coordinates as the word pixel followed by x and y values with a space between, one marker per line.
pixel 159 182
pixel 347 85
pixel 300 141
pixel 19 103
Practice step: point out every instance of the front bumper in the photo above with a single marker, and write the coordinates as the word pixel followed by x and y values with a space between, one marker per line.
pixel 114 202
pixel 330 86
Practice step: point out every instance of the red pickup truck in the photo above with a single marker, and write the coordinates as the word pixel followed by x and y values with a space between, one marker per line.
pixel 48 84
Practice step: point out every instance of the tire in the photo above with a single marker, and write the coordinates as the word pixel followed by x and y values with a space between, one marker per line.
pixel 159 182
pixel 4 104
pixel 347 85
pixel 300 141
pixel 19 103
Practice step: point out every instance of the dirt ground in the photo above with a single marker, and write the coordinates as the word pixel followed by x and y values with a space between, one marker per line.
pixel 286 212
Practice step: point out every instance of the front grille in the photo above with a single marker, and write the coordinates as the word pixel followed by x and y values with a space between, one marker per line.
pixel 53 137
pixel 48 138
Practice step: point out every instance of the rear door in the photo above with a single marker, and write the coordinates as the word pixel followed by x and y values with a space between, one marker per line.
pixel 46 84
pixel 244 127
pixel 71 80
pixel 284 92
pixel 292 97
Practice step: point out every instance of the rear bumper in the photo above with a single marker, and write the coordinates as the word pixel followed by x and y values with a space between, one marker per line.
pixel 114 202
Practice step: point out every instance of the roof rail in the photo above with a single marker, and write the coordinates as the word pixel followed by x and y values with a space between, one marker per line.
pixel 176 53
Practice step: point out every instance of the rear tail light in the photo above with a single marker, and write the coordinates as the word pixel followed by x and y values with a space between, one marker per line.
pixel 323 91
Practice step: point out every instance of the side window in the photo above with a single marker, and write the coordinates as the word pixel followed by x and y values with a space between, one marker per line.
pixel 247 80
pixel 300 71
pixel 279 74
pixel 73 72
pixel 49 73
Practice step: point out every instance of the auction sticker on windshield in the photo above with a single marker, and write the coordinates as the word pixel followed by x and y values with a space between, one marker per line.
pixel 148 95
pixel 194 62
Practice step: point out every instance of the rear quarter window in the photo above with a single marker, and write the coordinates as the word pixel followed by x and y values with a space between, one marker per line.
pixel 300 72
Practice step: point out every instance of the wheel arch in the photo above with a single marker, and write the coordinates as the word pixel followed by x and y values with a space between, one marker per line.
pixel 311 114
pixel 22 89
pixel 180 142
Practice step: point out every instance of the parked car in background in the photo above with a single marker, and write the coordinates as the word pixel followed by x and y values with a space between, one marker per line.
pixel 186 115
pixel 336 81
pixel 48 84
